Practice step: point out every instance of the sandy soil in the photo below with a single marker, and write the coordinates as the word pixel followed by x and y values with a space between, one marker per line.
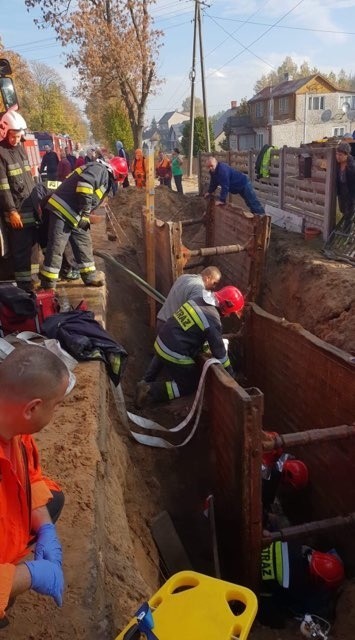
pixel 299 284
pixel 109 516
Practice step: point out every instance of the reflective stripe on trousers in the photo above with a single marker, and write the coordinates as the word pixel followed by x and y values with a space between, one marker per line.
pixel 59 232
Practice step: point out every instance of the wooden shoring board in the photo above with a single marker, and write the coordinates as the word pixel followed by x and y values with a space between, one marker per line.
pixel 150 233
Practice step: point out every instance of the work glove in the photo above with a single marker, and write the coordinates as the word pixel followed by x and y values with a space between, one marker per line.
pixel 47 578
pixel 84 223
pixel 14 220
pixel 48 546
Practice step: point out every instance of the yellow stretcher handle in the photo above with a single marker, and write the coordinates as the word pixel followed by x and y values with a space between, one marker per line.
pixel 193 606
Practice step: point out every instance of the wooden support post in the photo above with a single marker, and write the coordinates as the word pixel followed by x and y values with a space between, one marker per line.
pixel 330 195
pixel 150 233
pixel 281 189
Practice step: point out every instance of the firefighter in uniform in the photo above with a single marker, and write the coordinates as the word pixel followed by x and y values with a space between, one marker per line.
pixel 295 580
pixel 182 338
pixel 18 200
pixel 71 204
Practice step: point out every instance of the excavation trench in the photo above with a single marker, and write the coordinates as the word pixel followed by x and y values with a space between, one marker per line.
pixel 116 488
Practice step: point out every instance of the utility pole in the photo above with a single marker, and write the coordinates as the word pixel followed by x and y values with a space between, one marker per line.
pixel 192 105
pixel 204 98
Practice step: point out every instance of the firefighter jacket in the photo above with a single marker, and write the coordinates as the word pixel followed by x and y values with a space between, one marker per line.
pixel 287 587
pixel 16 184
pixel 22 489
pixel 84 338
pixel 80 193
pixel 182 337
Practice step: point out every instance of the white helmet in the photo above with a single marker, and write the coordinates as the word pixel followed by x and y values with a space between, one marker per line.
pixel 11 120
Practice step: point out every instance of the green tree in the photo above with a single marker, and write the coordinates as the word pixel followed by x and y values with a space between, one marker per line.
pixel 185 107
pixel 216 116
pixel 199 143
pixel 342 80
pixel 243 107
pixel 118 127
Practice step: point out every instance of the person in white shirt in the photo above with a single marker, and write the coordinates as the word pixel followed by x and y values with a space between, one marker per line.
pixel 186 287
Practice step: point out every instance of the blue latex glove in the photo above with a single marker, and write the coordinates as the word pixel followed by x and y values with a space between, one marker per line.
pixel 48 546
pixel 47 578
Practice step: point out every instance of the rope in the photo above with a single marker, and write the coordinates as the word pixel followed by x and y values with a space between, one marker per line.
pixel 141 283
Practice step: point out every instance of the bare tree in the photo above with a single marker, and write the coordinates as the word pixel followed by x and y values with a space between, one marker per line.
pixel 115 49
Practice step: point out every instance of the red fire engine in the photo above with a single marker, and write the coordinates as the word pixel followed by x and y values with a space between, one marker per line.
pixel 32 150
pixel 57 141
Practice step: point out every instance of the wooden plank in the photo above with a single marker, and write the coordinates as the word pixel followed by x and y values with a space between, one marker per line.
pixel 170 547
pixel 150 233
pixel 330 195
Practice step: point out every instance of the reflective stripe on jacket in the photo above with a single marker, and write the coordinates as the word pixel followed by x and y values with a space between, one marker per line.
pixel 16 183
pixel 80 193
pixel 183 335
pixel 22 489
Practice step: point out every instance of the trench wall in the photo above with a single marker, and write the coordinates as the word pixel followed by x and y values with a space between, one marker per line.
pixel 235 431
pixel 307 384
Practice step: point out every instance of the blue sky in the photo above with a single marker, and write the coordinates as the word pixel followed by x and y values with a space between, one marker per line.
pixel 242 40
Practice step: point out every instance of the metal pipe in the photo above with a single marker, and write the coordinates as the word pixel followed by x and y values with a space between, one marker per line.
pixel 190 221
pixel 215 251
pixel 316 526
pixel 311 436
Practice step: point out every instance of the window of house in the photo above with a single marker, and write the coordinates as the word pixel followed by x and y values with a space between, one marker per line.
pixel 338 131
pixel 259 140
pixel 283 105
pixel 316 103
pixel 259 109
pixel 349 99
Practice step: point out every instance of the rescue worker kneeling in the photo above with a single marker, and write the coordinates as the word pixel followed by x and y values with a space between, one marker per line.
pixel 32 382
pixel 71 204
pixel 182 338
pixel 295 580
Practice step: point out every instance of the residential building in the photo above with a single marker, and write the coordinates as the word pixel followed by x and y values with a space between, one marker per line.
pixel 170 118
pixel 175 135
pixel 299 111
pixel 219 134
pixel 240 133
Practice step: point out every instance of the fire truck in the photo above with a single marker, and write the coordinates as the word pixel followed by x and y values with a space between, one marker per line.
pixel 33 154
pixel 58 142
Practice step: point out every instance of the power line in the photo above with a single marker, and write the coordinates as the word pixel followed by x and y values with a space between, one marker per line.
pixel 230 35
pixel 242 23
pixel 25 44
pixel 258 38
pixel 281 26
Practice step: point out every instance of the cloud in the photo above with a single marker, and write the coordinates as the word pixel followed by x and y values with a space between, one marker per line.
pixel 217 74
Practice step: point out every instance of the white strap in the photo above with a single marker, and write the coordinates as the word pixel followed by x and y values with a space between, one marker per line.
pixel 5 348
pixel 196 408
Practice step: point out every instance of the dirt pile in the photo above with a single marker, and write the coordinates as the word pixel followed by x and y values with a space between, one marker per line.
pixel 301 285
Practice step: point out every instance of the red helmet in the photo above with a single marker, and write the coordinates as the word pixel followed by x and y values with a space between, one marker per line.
pixel 295 473
pixel 270 457
pixel 119 168
pixel 327 567
pixel 230 300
